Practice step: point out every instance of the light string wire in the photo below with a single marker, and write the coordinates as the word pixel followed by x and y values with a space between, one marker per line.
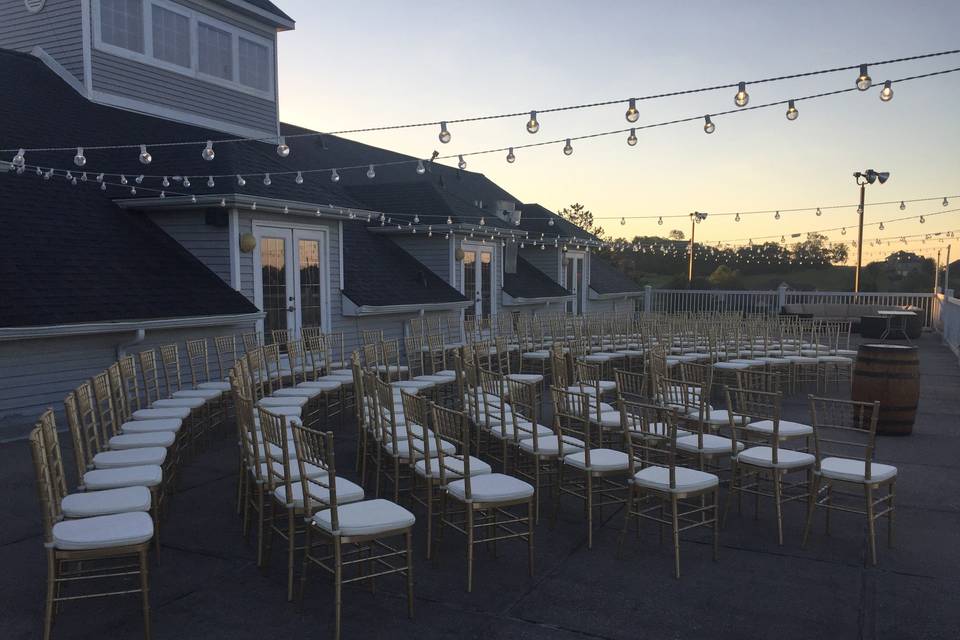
pixel 513 114
pixel 590 136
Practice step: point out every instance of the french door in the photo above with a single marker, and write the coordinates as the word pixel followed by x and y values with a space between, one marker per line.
pixel 290 279
pixel 476 280
pixel 573 279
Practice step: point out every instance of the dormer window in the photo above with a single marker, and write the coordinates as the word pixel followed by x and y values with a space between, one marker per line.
pixel 167 35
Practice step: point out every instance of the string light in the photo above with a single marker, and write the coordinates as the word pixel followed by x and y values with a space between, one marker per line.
pixel 208 153
pixel 532 125
pixel 737 218
pixel 632 138
pixel 240 181
pixel 945 201
pixel 449 220
pixel 741 98
pixel 186 182
pixel 792 112
pixel 267 181
pixel 283 150
pixel 660 220
pixel 371 172
pixel 79 159
pixel 144 157
pixel 568 148
pixel 902 205
pixel 820 213
pixel 623 221
pixel 922 219
pixel 461 163
pixel 511 158
pixel 776 216
pixel 299 178
pixel 708 126
pixel 210 182
pixel 420 168
pixel 139 179
pixel 632 115
pixel 863 80
pixel 881 227
pixel 123 179
pixel 886 94
pixel 444 134
pixel 334 176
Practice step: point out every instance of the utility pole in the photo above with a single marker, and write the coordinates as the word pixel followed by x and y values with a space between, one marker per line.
pixel 936 275
pixel 695 217
pixel 863 179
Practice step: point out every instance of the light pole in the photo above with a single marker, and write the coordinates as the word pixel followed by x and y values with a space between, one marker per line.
pixel 695 218
pixel 863 179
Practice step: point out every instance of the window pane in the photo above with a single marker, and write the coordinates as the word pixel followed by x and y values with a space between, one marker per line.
pixel 171 36
pixel 215 51
pixel 273 265
pixel 254 65
pixel 309 258
pixel 470 281
pixel 121 23
pixel 485 260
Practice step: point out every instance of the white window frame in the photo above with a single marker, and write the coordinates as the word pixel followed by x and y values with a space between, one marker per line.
pixel 478 247
pixel 193 71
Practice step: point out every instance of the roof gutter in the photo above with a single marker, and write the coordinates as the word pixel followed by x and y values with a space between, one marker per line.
pixel 122 326
pixel 244 201
pixel 350 308
pixel 509 300
pixel 617 295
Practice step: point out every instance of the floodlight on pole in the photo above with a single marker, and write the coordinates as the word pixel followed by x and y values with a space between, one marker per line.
pixel 695 218
pixel 863 178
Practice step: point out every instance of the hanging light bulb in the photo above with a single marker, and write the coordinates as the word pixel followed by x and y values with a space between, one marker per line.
pixel 103 186
pixel 510 157
pixel 483 221
pixel 449 220
pixel 19 159
pixel 819 213
pixel 886 94
pixel 99 176
pixel 186 182
pixel 623 221
pixel 416 219
pixel 945 202
pixel 444 134
pixel 223 202
pixel 863 80
pixel 334 176
pixel 286 209
pixel 543 247
pixel 660 220
pixel 568 148
pixel 253 207
pixel 461 163
pixel 532 125
pixel 741 98
pixel 83 176
pixel 632 114
pixel 922 219
pixel 420 168
pixel 165 182
pixel 79 159
pixel 792 112
pixel 632 138
pixel 145 157
pixel 123 179
pixel 266 180
pixel 163 194
pixel 210 182
pixel 902 205
pixel 299 178
pixel 371 172
pixel 776 216
pixel 193 199
pixel 881 227
pixel 208 153
pixel 708 126
pixel 240 181
pixel 843 231
pixel 282 149
pixel 550 222
pixel 522 244
pixel 736 218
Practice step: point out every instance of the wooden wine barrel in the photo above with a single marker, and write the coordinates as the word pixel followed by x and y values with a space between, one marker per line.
pixel 889 373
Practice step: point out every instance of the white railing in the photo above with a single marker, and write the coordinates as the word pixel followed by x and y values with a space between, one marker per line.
pixel 947 321
pixel 771 302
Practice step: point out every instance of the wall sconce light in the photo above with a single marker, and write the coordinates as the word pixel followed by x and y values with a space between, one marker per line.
pixel 247 242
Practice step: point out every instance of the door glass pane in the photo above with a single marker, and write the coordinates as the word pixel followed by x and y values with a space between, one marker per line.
pixel 485 272
pixel 308 257
pixel 568 282
pixel 578 267
pixel 470 281
pixel 273 265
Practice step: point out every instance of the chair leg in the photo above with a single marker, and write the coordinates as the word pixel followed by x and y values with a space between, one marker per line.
pixel 469 509
pixel 626 521
pixel 777 497
pixel 145 593
pixel 429 484
pixel 811 506
pixel 676 536
pixel 589 492
pixel 871 524
pixel 306 563
pixel 260 516
pixel 890 513
pixel 337 585
pixel 291 551
pixel 716 524
pixel 530 508
pixel 51 588
pixel 410 574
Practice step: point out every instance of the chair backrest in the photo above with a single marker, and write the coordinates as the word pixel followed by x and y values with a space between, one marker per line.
pixel 844 429
pixel 54 456
pixel 279 336
pixel 571 416
pixel 273 431
pixel 49 500
pixel 103 403
pixel 170 363
pixel 253 368
pixel 631 386
pixel 336 352
pixel 452 426
pixel 198 360
pixel 771 382
pixel 250 446
pixel 371 336
pixel 386 412
pixel 251 340
pixel 316 353
pixel 151 378
pixel 226 353
pixel 416 414
pixel 559 366
pixel 436 354
pixel 319 490
pixel 747 405
pixel 271 368
pixel 371 355
pixel 390 350
pixel 128 379
pixel 78 434
pixel 491 397
pixel 413 346
pixel 525 405
pixel 684 397
pixel 301 368
pixel 650 436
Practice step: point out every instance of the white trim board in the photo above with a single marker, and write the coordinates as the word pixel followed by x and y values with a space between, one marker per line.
pixel 123 326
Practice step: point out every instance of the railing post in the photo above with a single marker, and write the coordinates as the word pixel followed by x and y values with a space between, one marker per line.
pixel 647 298
pixel 781 298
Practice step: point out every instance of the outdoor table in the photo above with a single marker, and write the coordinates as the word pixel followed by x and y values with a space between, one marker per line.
pixel 896 320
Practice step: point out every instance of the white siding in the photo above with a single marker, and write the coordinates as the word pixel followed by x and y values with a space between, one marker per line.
pixel 57 29
pixel 207 242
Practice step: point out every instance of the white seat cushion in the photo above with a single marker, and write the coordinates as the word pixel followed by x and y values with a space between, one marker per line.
pixel 549 445
pixel 655 428
pixel 720 417
pixel 393 368
pixel 435 379
pixel 287 401
pixel 297 392
pixel 526 377
pixel 536 355
pixel 786 429
pixel 786 458
pixel 142 476
pixel 180 413
pixel 321 385
pixel 152 426
pixel 493 487
pixel 176 403
pixel 101 503
pixel 685 480
pixel 218 386
pixel 606 386
pixel 408 385
pixel 801 360
pixel 836 359
pixel 365 518
pixel 403 448
pixel 347 492
pixel 600 460
pixel 206 394
pixel 145 439
pixel 288 413
pixel 607 420
pixel 103 532
pixel 453 467
pixel 711 444
pixel 524 429
pixel 129 457
pixel 312 471
pixel 736 366
pixel 855 470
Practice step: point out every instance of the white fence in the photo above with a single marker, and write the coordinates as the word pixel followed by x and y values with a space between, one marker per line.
pixel 771 302
pixel 946 316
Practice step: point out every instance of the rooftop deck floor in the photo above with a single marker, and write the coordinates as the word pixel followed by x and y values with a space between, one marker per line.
pixel 208 585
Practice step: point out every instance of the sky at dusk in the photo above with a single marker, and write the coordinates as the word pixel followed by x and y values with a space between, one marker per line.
pixel 375 63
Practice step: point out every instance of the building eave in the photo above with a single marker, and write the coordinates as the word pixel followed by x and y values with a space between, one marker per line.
pixel 123 326
pixel 243 202
pixel 619 295
pixel 511 301
pixel 350 308
pixel 282 23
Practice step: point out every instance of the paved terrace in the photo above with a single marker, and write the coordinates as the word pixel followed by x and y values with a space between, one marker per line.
pixel 209 586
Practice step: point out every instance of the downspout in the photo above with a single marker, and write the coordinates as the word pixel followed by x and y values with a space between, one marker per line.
pixel 137 339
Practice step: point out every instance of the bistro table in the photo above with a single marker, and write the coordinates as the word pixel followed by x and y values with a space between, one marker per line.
pixel 896 320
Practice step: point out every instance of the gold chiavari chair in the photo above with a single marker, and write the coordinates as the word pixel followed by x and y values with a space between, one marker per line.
pixel 140 406
pixel 156 399
pixel 226 347
pixel 594 475
pixel 324 396
pixel 251 340
pixel 120 392
pixel 371 336
pixel 82 552
pixel 213 407
pixel 603 415
pixel 358 532
pixel 337 360
pixel 485 499
pixel 632 386
pixel 844 439
pixel 198 360
pixel 650 438
pixel 764 457
pixel 110 413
